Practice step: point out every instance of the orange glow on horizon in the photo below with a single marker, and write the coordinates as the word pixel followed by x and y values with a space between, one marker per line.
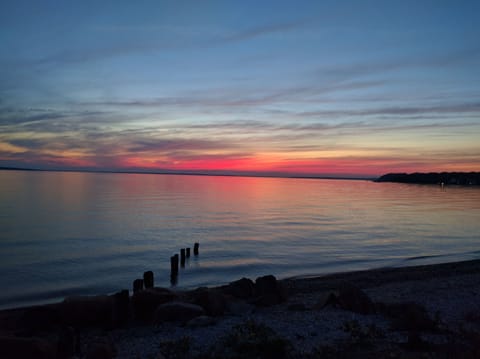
pixel 268 165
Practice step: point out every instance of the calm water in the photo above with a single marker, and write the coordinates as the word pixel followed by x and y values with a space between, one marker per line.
pixel 91 233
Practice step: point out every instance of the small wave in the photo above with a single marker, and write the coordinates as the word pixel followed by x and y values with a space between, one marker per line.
pixel 425 257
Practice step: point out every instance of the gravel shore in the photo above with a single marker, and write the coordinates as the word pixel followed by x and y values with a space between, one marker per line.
pixel 424 311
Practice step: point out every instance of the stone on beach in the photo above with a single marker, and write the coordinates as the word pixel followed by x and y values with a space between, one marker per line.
pixel 81 311
pixel 352 298
pixel 177 311
pixel 243 288
pixel 40 318
pixel 146 301
pixel 211 300
pixel 409 316
pixel 325 299
pixel 26 348
pixel 268 291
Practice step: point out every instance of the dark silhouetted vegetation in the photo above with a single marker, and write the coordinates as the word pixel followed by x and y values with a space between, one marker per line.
pixel 447 178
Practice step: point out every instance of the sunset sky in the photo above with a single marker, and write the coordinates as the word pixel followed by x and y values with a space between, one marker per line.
pixel 336 88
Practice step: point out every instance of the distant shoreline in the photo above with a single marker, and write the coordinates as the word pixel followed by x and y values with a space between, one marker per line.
pixel 447 178
pixel 439 178
pixel 192 173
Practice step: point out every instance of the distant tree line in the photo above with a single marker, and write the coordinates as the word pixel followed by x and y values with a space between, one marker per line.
pixel 447 178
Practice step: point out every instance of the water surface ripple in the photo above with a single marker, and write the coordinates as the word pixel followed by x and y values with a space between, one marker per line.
pixel 66 233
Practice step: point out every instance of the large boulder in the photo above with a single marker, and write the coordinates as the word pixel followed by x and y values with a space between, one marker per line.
pixel 83 311
pixel 325 299
pixel 409 316
pixel 243 288
pixel 40 318
pixel 352 298
pixel 211 300
pixel 177 312
pixel 26 348
pixel 146 301
pixel 268 291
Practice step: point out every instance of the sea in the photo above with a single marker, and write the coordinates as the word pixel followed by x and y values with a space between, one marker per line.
pixel 74 233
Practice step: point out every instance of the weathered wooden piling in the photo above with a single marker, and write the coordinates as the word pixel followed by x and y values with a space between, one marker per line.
pixel 148 279
pixel 174 265
pixel 137 285
pixel 176 262
pixel 188 252
pixel 182 257
pixel 195 249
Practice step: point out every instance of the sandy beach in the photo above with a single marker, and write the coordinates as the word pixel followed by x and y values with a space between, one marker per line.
pixel 430 311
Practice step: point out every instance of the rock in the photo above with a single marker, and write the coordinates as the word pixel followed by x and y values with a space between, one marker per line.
pixel 326 299
pixel 120 308
pixel 67 344
pixel 268 291
pixel 211 300
pixel 41 318
pixel 177 311
pixel 26 348
pixel 201 321
pixel 265 285
pixel 146 301
pixel 242 288
pixel 82 311
pixel 355 300
pixel 409 316
pixel 100 350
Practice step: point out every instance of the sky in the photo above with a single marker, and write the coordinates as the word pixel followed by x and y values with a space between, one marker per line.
pixel 314 88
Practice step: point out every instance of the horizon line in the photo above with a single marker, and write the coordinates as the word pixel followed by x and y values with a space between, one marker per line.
pixel 192 173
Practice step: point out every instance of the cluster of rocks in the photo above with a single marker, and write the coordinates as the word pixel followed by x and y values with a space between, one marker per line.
pixel 53 331
pixel 147 306
pixel 407 316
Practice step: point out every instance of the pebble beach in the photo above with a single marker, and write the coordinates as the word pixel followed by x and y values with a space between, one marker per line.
pixel 430 311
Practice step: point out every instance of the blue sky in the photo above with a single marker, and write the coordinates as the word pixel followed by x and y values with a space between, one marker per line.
pixel 308 87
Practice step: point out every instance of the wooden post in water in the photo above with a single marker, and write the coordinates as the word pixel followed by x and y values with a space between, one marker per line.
pixel 137 285
pixel 173 279
pixel 176 262
pixel 148 279
pixel 174 265
pixel 195 248
pixel 188 252
pixel 182 257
